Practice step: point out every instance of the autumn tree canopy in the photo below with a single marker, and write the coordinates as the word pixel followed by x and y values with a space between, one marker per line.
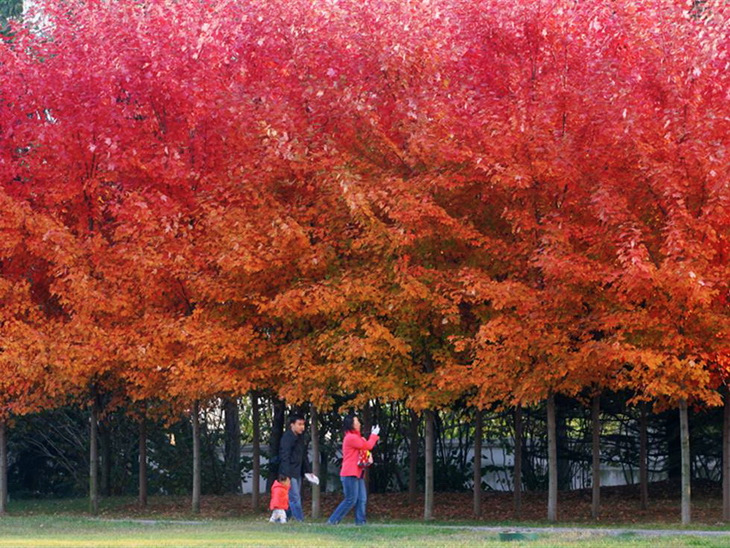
pixel 420 199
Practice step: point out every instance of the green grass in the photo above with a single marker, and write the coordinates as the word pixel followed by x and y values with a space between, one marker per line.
pixel 64 505
pixel 119 508
pixel 40 531
pixel 577 524
pixel 65 523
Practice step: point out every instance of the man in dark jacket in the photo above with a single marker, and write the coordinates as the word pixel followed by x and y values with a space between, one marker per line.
pixel 293 462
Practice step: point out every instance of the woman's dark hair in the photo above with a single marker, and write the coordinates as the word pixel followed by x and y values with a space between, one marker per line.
pixel 348 423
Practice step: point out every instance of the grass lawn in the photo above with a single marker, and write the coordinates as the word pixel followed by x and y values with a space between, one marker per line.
pixel 75 531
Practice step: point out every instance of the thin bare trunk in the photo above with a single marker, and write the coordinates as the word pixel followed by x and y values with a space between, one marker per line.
pixel 367 424
pixel 3 468
pixel 94 459
pixel 413 456
pixel 196 457
pixel 256 457
pixel 596 467
pixel 277 431
pixel 232 445
pixel 517 486
pixel 478 465
pixel 686 470
pixel 430 445
pixel 143 462
pixel 643 457
pixel 552 461
pixel 726 456
pixel 316 498
pixel 105 443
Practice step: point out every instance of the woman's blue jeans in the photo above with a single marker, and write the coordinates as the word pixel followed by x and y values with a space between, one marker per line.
pixel 355 496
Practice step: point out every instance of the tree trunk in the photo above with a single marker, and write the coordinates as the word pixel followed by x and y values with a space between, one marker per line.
pixel 596 467
pixel 565 473
pixel 195 418
pixel 726 456
pixel 367 424
pixel 686 468
pixel 105 441
pixel 644 458
pixel 430 446
pixel 478 464
pixel 3 468
pixel 376 415
pixel 232 443
pixel 413 456
pixel 143 463
pixel 323 468
pixel 94 459
pixel 673 462
pixel 277 430
pixel 552 461
pixel 256 457
pixel 316 498
pixel 517 483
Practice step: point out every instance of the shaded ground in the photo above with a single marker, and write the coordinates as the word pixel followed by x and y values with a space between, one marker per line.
pixel 620 506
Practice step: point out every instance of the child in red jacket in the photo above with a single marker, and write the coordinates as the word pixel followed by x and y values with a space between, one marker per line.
pixel 279 499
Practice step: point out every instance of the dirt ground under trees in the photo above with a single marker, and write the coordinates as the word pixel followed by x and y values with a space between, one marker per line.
pixel 619 505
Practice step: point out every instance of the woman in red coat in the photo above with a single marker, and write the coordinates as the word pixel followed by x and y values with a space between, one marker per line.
pixel 352 472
